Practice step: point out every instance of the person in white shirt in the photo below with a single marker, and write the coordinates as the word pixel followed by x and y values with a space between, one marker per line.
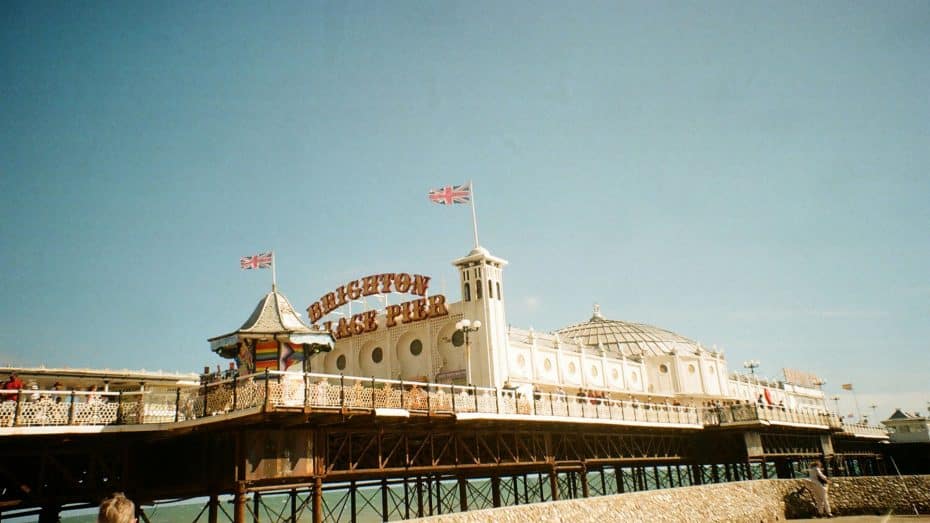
pixel 818 484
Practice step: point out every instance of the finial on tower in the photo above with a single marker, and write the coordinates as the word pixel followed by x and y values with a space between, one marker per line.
pixel 597 316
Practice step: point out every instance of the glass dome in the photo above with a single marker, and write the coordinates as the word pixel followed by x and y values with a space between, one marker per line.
pixel 628 339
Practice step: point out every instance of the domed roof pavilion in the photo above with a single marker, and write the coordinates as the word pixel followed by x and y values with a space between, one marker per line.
pixel 627 339
pixel 273 318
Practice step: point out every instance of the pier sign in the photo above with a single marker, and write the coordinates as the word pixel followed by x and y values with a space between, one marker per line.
pixel 378 284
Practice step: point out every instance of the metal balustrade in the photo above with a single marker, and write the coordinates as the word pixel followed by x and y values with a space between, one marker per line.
pixel 865 430
pixel 322 392
pixel 753 413
pixel 30 408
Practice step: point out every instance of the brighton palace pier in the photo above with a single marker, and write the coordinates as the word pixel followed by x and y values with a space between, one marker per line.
pixel 413 406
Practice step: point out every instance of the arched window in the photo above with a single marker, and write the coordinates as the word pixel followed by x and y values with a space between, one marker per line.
pixel 490 289
pixel 467 293
pixel 499 290
pixel 478 290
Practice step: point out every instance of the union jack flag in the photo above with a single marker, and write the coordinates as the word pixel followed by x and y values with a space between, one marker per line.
pixel 451 194
pixel 259 261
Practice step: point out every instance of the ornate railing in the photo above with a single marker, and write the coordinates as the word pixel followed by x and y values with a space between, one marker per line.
pixel 321 392
pixel 865 430
pixel 283 390
pixel 39 408
pixel 360 393
pixel 748 413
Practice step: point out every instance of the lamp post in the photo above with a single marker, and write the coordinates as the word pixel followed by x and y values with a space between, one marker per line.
pixel 752 365
pixel 466 327
pixel 836 401
pixel 311 350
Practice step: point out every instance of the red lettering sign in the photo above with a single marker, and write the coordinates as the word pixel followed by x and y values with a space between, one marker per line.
pixel 403 313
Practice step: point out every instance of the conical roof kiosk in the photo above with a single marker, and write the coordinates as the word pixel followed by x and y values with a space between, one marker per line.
pixel 273 338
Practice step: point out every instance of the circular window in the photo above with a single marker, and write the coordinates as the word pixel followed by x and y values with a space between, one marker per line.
pixel 547 364
pixel 416 347
pixel 571 368
pixel 691 369
pixel 634 377
pixel 458 338
pixel 341 362
pixel 521 361
pixel 594 371
pixel 663 369
pixel 615 374
pixel 377 355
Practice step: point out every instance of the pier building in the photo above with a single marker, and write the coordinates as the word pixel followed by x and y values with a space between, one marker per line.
pixel 420 340
pixel 415 405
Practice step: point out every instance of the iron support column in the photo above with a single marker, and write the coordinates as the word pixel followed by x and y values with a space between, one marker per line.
pixel 239 511
pixel 419 484
pixel 406 496
pixel 384 501
pixel 352 502
pixel 554 483
pixel 213 514
pixel 463 494
pixel 49 514
pixel 256 506
pixel 317 500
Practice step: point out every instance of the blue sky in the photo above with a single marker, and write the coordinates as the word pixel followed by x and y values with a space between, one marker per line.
pixel 749 174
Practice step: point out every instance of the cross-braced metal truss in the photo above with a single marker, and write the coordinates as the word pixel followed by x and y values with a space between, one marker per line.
pixel 374 450
pixel 575 446
pixel 356 452
pixel 788 444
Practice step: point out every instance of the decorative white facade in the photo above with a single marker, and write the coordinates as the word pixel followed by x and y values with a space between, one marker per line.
pixel 614 358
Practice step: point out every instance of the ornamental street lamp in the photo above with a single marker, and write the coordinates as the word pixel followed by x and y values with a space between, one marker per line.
pixel 836 400
pixel 466 327
pixel 752 365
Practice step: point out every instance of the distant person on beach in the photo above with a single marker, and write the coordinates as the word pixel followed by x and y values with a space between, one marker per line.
pixel 117 509
pixel 818 485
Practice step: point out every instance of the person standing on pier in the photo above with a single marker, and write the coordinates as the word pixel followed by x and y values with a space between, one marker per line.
pixel 117 509
pixel 818 485
pixel 13 383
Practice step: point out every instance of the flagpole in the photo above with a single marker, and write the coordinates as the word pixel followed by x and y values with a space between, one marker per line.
pixel 474 218
pixel 274 274
pixel 856 401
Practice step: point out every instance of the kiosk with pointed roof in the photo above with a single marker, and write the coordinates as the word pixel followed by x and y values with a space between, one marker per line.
pixel 273 338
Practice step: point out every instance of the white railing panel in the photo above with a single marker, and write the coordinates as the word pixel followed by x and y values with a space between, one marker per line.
pixel 321 391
